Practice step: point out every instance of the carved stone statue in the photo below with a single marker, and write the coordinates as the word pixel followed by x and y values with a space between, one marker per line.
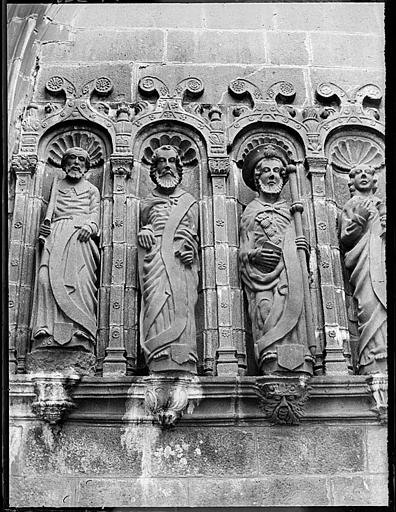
pixel 363 223
pixel 271 269
pixel 64 307
pixel 168 268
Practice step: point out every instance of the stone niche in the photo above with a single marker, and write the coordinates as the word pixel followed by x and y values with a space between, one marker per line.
pixel 262 397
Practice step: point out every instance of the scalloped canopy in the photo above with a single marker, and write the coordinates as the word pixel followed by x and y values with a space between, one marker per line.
pixel 84 140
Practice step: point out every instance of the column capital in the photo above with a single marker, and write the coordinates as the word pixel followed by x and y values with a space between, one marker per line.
pixel 219 166
pixel 317 164
pixel 24 163
pixel 121 165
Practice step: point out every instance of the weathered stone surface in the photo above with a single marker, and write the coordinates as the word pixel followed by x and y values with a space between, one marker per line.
pixel 377 449
pixel 215 47
pixel 231 16
pixel 348 51
pixel 15 445
pixel 360 490
pixel 123 492
pixel 81 449
pixel 311 450
pixel 105 45
pixel 216 452
pixel 38 492
pixel 288 48
pixel 334 17
pixel 257 492
pixel 141 15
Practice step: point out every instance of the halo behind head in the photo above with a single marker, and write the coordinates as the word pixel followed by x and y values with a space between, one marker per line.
pixel 257 154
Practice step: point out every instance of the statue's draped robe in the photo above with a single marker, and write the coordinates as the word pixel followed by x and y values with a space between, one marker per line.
pixel 275 297
pixel 64 306
pixel 169 287
pixel 365 261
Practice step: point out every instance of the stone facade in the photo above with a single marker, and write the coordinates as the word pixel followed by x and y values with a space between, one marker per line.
pixel 139 423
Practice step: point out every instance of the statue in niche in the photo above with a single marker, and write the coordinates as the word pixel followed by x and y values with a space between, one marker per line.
pixel 64 307
pixel 363 224
pixel 271 270
pixel 168 268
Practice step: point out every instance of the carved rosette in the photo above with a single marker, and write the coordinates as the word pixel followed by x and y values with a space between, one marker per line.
pixel 282 399
pixel 53 396
pixel 167 399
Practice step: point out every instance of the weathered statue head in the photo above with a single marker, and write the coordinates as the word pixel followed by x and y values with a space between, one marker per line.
pixel 75 163
pixel 264 170
pixel 166 168
pixel 362 178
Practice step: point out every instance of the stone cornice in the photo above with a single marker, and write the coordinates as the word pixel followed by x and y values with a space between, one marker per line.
pixel 221 400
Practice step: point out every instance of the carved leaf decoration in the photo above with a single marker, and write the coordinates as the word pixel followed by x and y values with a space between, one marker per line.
pixel 187 153
pixel 348 153
pixel 76 139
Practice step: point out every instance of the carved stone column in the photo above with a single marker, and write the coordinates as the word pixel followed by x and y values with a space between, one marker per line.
pixel 115 360
pixel 227 361
pixel 328 263
pixel 20 262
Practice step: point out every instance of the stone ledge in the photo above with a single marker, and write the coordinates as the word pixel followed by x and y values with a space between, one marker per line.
pixel 221 400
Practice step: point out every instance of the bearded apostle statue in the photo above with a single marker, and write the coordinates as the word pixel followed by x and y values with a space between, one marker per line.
pixel 64 306
pixel 271 270
pixel 168 268
pixel 363 223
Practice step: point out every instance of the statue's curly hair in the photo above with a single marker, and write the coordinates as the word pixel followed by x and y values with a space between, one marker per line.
pixel 367 168
pixel 73 150
pixel 155 157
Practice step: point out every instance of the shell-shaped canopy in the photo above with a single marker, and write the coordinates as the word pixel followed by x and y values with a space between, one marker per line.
pixel 187 153
pixel 80 139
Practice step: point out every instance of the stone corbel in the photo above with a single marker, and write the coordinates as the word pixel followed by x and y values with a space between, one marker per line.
pixel 282 399
pixel 378 384
pixel 167 399
pixel 53 396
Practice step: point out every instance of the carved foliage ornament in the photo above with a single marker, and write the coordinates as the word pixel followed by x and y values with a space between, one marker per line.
pixel 356 101
pixel 57 84
pixel 193 86
pixel 168 398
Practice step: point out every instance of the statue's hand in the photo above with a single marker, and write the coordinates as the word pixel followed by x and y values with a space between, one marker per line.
pixel 146 238
pixel 302 243
pixel 383 220
pixel 44 230
pixel 266 258
pixel 186 256
pixel 363 209
pixel 85 233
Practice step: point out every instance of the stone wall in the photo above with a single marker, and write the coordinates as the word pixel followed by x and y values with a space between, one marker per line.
pixel 226 453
